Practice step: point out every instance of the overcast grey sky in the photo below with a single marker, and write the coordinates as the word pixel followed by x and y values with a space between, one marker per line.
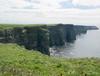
pixel 50 11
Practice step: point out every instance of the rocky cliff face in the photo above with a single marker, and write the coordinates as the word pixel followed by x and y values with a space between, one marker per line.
pixel 35 37
pixel 42 37
pixel 60 34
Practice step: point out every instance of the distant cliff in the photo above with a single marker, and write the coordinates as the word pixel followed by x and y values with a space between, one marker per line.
pixel 43 37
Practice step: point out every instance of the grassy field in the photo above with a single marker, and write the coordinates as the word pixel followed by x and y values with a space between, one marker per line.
pixel 17 61
pixel 10 26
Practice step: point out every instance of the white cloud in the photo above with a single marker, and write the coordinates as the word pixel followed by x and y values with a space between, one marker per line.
pixel 8 4
pixel 44 4
pixel 19 3
pixel 47 11
pixel 75 16
pixel 48 4
pixel 92 3
pixel 38 4
pixel 4 4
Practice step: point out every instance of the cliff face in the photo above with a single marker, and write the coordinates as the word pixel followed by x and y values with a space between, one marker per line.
pixel 42 37
pixel 35 37
pixel 61 34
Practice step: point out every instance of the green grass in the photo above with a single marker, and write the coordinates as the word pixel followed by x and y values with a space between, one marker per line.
pixel 11 26
pixel 17 61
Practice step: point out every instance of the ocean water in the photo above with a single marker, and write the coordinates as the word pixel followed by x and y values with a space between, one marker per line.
pixel 86 45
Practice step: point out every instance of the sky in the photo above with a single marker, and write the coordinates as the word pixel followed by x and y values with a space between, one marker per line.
pixel 50 11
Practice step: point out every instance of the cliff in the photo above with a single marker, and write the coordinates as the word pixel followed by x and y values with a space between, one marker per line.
pixel 32 37
pixel 42 37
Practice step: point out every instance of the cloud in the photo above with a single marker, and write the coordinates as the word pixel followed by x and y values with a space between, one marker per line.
pixel 92 3
pixel 4 4
pixel 38 4
pixel 19 3
pixel 49 4
pixel 49 11
pixel 75 16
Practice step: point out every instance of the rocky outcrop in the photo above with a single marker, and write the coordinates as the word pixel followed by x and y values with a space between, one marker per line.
pixel 42 37
pixel 35 37
pixel 60 34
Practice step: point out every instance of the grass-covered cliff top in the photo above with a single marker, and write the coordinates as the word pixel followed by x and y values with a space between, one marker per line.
pixel 17 61
pixel 10 26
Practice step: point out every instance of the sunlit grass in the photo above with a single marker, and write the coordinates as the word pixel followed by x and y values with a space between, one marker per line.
pixel 17 61
pixel 10 26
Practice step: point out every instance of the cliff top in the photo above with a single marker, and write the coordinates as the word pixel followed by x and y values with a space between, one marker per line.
pixel 10 26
